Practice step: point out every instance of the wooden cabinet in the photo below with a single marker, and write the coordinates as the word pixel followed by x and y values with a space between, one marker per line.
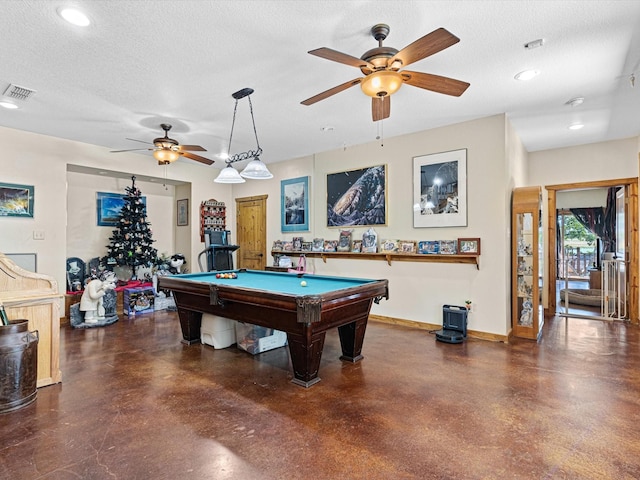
pixel 527 263
pixel 34 297
pixel 213 215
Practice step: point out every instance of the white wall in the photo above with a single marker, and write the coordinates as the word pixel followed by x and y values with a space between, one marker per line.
pixel 495 160
pixel 417 290
pixel 593 197
pixel 42 161
pixel 584 163
pixel 85 239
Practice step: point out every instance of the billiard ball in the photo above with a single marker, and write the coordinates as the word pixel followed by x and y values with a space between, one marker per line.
pixel 303 283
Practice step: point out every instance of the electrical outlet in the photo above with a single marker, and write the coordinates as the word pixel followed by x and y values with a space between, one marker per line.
pixel 38 234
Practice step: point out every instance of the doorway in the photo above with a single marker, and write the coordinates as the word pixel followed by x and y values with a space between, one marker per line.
pixel 566 266
pixel 251 225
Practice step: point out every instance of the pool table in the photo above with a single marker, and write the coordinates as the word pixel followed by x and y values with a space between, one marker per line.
pixel 280 301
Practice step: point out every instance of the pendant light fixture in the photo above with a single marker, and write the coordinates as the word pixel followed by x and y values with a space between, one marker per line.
pixel 255 169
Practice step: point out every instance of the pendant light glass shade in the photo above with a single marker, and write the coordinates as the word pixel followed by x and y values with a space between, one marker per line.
pixel 229 175
pixel 256 170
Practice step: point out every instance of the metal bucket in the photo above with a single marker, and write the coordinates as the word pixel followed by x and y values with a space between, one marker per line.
pixel 18 365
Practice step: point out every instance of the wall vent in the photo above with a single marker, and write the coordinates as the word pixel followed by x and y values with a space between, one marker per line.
pixel 19 93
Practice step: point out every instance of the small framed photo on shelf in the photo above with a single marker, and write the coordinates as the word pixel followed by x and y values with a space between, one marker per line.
pixel 448 247
pixel 330 245
pixel 297 244
pixel 287 246
pixel 370 241
pixel 469 246
pixel 356 246
pixel 407 246
pixel 389 246
pixel 306 246
pixel 317 245
pixel 428 247
pixel 277 246
pixel 344 243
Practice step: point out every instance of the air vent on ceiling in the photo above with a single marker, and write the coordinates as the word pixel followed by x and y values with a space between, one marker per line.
pixel 19 93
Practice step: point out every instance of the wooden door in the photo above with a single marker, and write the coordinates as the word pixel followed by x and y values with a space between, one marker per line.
pixel 251 225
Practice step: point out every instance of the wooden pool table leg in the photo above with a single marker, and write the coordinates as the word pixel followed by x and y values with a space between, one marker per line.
pixel 351 339
pixel 306 353
pixel 190 323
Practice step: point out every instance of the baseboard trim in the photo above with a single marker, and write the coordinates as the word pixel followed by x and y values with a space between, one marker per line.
pixel 491 337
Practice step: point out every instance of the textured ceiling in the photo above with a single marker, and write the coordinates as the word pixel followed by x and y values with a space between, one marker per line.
pixel 145 62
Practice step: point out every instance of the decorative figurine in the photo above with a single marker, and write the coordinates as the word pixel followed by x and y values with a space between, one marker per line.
pixel 91 302
pixel 176 263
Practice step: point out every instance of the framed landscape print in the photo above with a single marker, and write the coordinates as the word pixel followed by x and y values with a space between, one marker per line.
pixel 357 197
pixel 440 189
pixel 109 206
pixel 16 200
pixel 294 195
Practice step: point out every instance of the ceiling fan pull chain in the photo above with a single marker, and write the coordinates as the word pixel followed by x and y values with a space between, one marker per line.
pixel 380 131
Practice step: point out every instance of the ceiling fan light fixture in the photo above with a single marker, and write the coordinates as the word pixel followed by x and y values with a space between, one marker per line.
pixel 256 170
pixel 381 83
pixel 166 155
pixel 229 175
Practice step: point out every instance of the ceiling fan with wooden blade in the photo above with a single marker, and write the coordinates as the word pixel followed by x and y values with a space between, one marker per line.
pixel 167 150
pixel 381 68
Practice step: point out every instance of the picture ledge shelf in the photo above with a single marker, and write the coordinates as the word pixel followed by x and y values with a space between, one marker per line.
pixel 389 257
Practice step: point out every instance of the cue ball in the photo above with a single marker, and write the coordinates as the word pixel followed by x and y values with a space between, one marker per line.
pixel 303 283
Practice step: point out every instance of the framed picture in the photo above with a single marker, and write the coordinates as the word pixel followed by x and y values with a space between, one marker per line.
pixel 356 246
pixel 16 200
pixel 344 242
pixel 330 245
pixel 389 246
pixel 440 189
pixel 183 212
pixel 357 197
pixel 370 241
pixel 294 196
pixel 407 246
pixel 448 247
pixel 317 245
pixel 109 206
pixel 429 247
pixel 469 246
pixel 297 244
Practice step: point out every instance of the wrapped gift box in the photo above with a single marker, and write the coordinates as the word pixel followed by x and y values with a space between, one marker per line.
pixel 138 300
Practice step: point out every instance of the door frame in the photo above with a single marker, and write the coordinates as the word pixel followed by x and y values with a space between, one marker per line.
pixel 256 198
pixel 631 225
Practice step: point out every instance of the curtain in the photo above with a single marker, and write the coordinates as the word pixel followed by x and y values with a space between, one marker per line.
pixel 601 221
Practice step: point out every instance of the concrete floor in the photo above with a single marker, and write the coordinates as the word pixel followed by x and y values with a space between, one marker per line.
pixel 137 404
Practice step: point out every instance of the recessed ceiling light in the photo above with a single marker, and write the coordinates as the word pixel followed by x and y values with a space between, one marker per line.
pixel 8 105
pixel 574 102
pixel 74 16
pixel 527 75
pixel 576 126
